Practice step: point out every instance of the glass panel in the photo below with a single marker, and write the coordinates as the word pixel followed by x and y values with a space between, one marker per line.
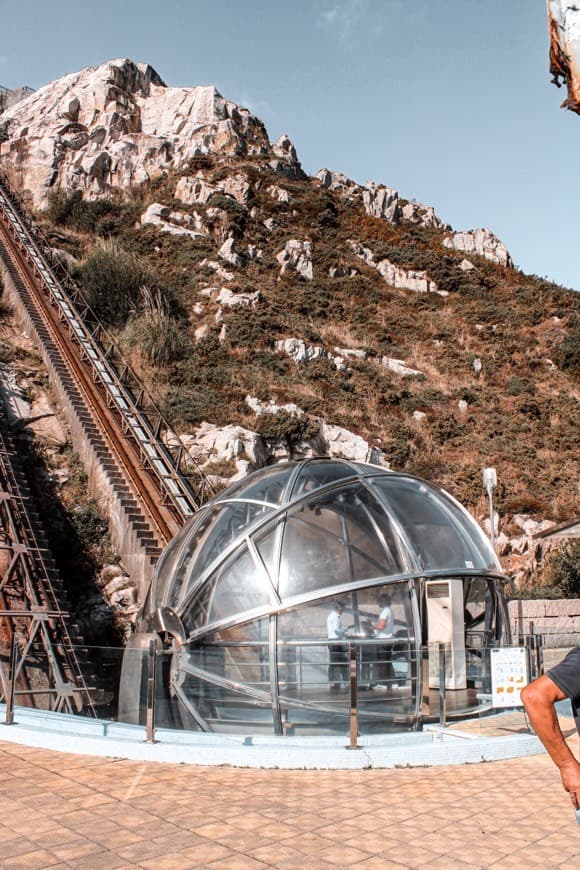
pixel 266 543
pixel 175 577
pixel 318 473
pixel 438 541
pixel 266 485
pixel 168 579
pixel 337 538
pixel 225 682
pixel 236 586
pixel 240 586
pixel 313 661
pixel 477 537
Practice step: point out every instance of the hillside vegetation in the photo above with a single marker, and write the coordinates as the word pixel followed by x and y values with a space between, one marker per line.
pixel 498 357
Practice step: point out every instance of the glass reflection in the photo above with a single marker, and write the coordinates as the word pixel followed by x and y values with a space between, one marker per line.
pixel 329 572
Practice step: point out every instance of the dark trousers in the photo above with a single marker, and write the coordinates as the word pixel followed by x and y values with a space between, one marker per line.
pixel 338 666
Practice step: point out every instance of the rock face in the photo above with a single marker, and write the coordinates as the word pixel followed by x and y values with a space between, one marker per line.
pixel 564 23
pixel 380 201
pixel 481 242
pixel 248 450
pixel 118 124
pixel 174 222
pixel 297 257
pixel 395 276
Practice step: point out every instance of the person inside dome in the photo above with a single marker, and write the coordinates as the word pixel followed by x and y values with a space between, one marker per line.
pixel 338 652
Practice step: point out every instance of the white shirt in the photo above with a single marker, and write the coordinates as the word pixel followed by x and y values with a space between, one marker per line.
pixel 334 626
pixel 386 617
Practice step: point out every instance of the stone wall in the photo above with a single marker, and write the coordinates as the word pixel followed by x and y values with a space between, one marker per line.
pixel 557 619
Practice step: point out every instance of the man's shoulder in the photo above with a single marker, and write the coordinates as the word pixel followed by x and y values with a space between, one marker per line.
pixel 566 674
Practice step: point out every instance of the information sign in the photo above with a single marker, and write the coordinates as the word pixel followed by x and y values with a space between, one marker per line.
pixel 509 675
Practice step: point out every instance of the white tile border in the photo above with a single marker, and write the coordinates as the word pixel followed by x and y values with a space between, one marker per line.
pixel 433 746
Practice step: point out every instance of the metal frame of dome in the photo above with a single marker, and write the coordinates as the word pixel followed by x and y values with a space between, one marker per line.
pixel 195 566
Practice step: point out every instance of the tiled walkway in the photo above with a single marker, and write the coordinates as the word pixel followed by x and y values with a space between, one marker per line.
pixel 59 810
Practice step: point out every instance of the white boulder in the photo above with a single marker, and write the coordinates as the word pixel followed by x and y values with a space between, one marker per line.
pixel 396 276
pixel 296 256
pixel 481 242
pixel 227 253
pixel 399 367
pixel 381 202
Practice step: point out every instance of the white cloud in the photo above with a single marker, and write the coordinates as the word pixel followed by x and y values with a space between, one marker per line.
pixel 3 59
pixel 343 16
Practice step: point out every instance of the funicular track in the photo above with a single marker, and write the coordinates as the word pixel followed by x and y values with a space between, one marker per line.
pixel 50 670
pixel 155 484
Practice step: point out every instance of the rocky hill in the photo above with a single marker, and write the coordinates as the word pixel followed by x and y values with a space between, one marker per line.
pixel 274 314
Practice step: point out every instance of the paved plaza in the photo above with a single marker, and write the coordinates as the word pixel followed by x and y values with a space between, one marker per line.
pixel 63 810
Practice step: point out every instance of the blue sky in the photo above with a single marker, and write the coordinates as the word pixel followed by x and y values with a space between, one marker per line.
pixel 449 101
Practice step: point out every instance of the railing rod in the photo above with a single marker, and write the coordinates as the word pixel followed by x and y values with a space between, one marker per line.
pixel 353 692
pixel 9 720
pixel 151 687
pixel 442 698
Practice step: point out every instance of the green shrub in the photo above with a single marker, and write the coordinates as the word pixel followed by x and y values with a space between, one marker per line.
pixel 112 279
pixel 288 427
pixel 515 386
pixel 89 525
pixel 563 569
pixel 567 354
pixel 159 337
pixel 98 216
pixel 191 405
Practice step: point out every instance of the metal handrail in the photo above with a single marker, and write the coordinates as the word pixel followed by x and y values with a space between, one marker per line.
pixel 157 441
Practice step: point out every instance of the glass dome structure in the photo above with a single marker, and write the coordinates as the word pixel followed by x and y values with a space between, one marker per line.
pixel 246 597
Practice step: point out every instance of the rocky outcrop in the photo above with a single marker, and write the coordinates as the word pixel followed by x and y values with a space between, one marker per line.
pixel 227 253
pixel 278 193
pixel 272 407
pixel 303 353
pixel 481 242
pixel 230 299
pixel 248 451
pixel 175 222
pixel 380 201
pixel 296 256
pixel 399 367
pixel 286 161
pixel 339 183
pixel 564 23
pixel 395 276
pixel 418 213
pixel 118 124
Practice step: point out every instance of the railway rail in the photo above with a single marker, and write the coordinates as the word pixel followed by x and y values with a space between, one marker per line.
pixel 149 458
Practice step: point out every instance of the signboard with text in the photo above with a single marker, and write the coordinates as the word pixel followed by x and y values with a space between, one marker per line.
pixel 509 675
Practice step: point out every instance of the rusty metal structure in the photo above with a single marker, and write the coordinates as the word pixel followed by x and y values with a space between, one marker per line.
pixel 47 663
pixel 135 459
pixel 564 26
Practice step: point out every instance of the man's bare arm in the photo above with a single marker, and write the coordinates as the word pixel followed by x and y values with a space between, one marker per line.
pixel 538 699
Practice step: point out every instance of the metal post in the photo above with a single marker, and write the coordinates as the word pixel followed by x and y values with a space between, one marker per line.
pixel 442 699
pixel 9 720
pixel 352 660
pixel 540 654
pixel 489 483
pixel 151 685
pixel 491 517
pixel 530 658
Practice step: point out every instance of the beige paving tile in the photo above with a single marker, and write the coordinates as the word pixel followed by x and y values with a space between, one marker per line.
pixel 343 856
pixel 77 849
pixel 14 848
